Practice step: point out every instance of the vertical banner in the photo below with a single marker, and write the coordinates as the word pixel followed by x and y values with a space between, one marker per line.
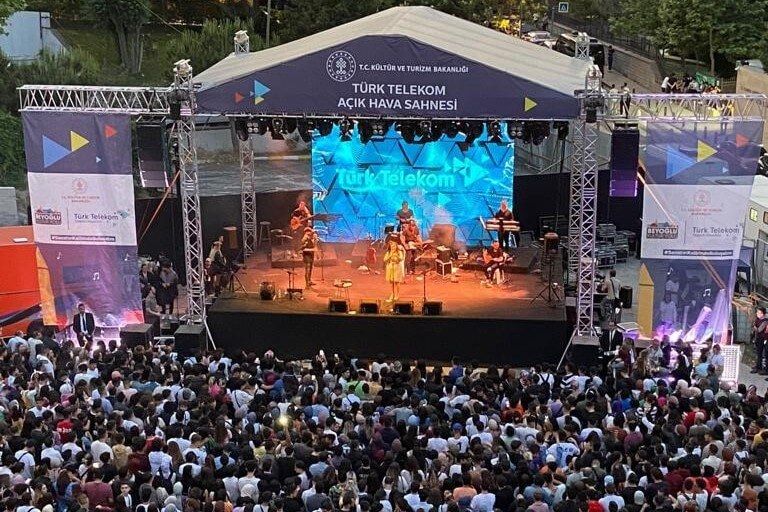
pixel 81 196
pixel 699 179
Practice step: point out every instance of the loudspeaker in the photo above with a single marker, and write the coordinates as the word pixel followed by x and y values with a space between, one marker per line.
pixel 444 254
pixel 230 238
pixel 133 335
pixel 369 307
pixel 625 151
pixel 169 325
pixel 625 296
pixel 152 153
pixel 338 305
pixel 584 351
pixel 432 308
pixel 189 339
pixel 403 307
pixel 443 234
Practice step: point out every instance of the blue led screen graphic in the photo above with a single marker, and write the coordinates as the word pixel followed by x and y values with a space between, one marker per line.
pixel 445 182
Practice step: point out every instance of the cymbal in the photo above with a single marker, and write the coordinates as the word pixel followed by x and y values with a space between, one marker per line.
pixel 285 237
pixel 276 232
pixel 428 241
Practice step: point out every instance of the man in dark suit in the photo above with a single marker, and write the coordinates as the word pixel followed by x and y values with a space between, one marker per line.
pixel 83 324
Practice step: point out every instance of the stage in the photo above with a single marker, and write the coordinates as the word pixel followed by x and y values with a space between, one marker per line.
pixel 490 324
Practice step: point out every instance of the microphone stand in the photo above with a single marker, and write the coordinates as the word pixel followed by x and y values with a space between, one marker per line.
pixel 320 260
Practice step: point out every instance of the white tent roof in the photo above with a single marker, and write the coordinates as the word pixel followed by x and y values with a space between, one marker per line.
pixel 454 35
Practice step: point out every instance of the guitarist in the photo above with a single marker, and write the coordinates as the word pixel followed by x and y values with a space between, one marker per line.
pixel 299 220
pixel 493 257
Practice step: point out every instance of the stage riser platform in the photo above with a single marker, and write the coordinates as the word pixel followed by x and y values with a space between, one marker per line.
pixel 293 335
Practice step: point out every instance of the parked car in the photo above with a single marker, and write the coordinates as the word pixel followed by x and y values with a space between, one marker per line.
pixel 537 36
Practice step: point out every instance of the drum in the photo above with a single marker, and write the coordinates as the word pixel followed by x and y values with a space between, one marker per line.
pixel 551 243
pixel 267 290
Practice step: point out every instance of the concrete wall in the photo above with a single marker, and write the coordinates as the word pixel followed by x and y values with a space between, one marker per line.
pixel 27 34
pixel 754 81
pixel 9 215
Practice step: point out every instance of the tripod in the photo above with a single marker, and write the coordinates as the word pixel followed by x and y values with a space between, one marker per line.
pixel 549 293
pixel 240 286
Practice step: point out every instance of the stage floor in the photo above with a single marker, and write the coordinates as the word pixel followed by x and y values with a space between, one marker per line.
pixel 464 298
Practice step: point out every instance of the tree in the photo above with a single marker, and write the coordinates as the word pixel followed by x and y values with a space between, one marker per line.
pixel 126 18
pixel 214 42
pixel 8 7
pixel 11 152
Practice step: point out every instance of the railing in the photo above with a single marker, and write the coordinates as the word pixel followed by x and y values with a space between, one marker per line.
pixel 602 30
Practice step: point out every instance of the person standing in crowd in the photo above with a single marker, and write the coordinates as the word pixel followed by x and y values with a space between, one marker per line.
pixel 611 51
pixel 759 335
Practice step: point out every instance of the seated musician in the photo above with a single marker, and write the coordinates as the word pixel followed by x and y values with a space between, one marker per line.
pixel 412 242
pixel 504 215
pixel 404 214
pixel 494 258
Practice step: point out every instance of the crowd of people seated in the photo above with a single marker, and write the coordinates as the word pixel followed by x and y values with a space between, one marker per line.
pixel 143 430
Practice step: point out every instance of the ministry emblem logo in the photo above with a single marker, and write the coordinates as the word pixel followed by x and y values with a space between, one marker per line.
pixel 341 66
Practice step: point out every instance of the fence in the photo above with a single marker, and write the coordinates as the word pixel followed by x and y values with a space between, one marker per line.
pixel 602 30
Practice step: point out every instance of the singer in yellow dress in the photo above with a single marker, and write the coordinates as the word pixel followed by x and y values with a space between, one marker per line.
pixel 394 267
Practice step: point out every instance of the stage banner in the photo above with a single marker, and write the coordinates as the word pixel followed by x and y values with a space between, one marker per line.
pixel 81 196
pixel 360 186
pixel 391 76
pixel 698 182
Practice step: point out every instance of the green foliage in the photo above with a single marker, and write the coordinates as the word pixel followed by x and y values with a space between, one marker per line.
pixel 212 43
pixel 126 18
pixel 734 29
pixel 12 166
pixel 8 7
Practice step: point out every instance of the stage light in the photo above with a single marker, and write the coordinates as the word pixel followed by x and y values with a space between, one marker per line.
pixel 306 127
pixel 324 127
pixel 407 131
pixel 494 132
pixel 241 129
pixel 451 129
pixel 539 131
pixel 380 127
pixel 289 125
pixel 345 127
pixel 515 129
pixel 424 130
pixel 562 129
pixel 276 128
pixel 472 130
pixel 365 131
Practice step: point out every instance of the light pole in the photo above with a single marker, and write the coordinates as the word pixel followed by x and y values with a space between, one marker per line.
pixel 269 20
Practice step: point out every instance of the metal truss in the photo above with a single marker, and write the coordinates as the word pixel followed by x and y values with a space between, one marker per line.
pixel 248 197
pixel 684 107
pixel 574 220
pixel 183 133
pixel 105 100
pixel 581 51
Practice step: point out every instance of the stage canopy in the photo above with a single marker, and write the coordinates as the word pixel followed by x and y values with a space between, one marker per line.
pixel 404 62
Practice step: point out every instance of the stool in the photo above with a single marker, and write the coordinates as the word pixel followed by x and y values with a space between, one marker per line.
pixel 499 277
pixel 264 229
pixel 341 288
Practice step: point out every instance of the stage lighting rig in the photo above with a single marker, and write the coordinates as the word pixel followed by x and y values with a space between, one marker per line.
pixel 472 130
pixel 451 129
pixel 407 131
pixel 276 128
pixel 324 127
pixel 494 131
pixel 539 131
pixel 562 129
pixel 289 125
pixel 380 127
pixel 424 130
pixel 365 130
pixel 241 129
pixel 345 127
pixel 306 127
pixel 515 129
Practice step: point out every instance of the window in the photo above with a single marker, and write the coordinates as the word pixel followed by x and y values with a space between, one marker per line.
pixel 753 215
pixel 765 217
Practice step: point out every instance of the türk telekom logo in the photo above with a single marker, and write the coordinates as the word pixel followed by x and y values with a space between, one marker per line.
pixel 341 66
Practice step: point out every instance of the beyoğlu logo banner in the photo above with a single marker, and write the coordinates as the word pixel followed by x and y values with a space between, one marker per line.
pixel 81 194
pixel 390 76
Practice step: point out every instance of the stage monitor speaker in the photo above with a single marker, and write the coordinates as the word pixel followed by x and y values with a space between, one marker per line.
pixel 169 325
pixel 625 296
pixel 338 305
pixel 625 152
pixel 133 335
pixel 443 234
pixel 369 307
pixel 432 308
pixel 403 307
pixel 152 153
pixel 230 238
pixel 443 254
pixel 189 339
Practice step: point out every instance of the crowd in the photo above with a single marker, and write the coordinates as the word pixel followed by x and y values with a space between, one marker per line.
pixel 144 430
pixel 687 84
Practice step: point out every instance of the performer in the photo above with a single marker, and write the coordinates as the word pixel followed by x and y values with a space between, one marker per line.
pixel 404 214
pixel 394 268
pixel 83 324
pixel 308 249
pixel 494 258
pixel 300 216
pixel 219 267
pixel 169 287
pixel 504 214
pixel 412 242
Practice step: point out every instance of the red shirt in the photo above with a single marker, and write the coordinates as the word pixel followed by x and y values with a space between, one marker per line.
pixel 99 494
pixel 64 428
